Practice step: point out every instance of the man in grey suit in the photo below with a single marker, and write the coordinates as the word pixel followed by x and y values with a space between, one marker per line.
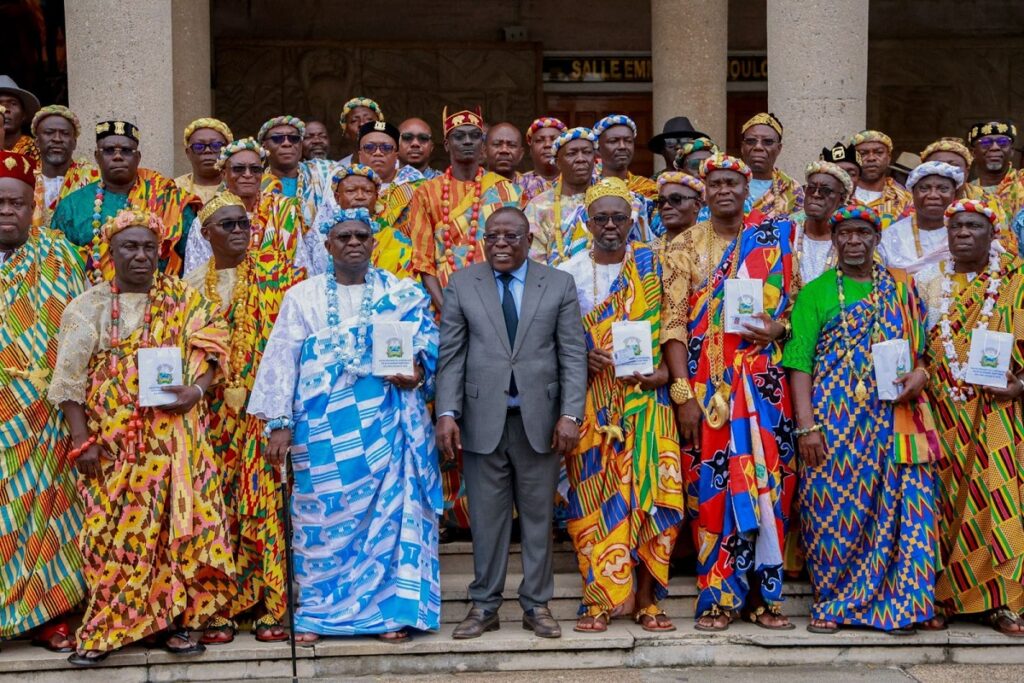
pixel 511 386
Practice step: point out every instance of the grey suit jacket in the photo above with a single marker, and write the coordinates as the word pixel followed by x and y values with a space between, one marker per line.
pixel 549 357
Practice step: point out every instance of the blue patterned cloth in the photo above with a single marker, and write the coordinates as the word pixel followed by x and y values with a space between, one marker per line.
pixel 367 491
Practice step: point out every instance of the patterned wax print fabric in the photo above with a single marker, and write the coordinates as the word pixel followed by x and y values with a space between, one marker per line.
pixel 78 175
pixel 367 492
pixel 625 498
pixel 532 184
pixel 26 144
pixel 894 203
pixel 642 185
pixel 312 184
pixel 784 197
pixel 980 471
pixel 188 184
pixel 154 543
pixel 868 513
pixel 740 483
pixel 40 508
pixel 1008 194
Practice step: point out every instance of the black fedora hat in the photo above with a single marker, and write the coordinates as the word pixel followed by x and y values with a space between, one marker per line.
pixel 675 127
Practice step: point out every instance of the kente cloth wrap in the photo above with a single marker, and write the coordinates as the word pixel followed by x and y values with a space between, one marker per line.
pixel 894 204
pixel 26 145
pixel 938 168
pixel 544 122
pixel 855 212
pixel 740 483
pixel 680 178
pixel 642 185
pixel 252 502
pixel 532 184
pixel 212 124
pixel 867 515
pixel 980 470
pixel 613 120
pixel 578 133
pixel 359 102
pixel 154 542
pixel 366 496
pixel 153 193
pixel 763 119
pixel 945 145
pixel 40 508
pixel 309 186
pixel 724 162
pixel 785 196
pixel 56 110
pixel 431 256
pixel 240 145
pixel 833 170
pixel 871 136
pixel 980 130
pixel 286 120
pixel 625 485
pixel 1008 194
pixel 78 175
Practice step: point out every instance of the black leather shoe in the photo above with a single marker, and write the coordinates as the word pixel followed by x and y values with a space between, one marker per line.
pixel 476 623
pixel 540 621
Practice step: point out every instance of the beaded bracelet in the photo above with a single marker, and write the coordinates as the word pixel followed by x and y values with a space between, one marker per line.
pixel 804 432
pixel 277 423
pixel 75 453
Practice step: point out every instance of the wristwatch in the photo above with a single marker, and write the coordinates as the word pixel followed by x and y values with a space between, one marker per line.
pixel 578 421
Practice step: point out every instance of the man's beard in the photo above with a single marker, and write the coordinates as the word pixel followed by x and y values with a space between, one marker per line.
pixel 609 245
pixel 993 165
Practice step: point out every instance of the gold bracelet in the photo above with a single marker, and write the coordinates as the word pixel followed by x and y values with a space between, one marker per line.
pixel 680 392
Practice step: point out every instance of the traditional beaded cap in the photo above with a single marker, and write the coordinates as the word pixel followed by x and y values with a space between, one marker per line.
pixel 343 215
pixel 132 218
pixel 856 212
pixel 980 130
pixel 543 122
pixel 608 187
pixel 56 110
pixel 355 169
pixel 578 133
pixel 286 120
pixel 125 128
pixel 871 136
pixel 972 206
pixel 948 145
pixel 219 201
pixel 212 124
pixel 680 178
pixel 464 117
pixel 614 120
pixel 764 119
pixel 938 168
pixel 833 170
pixel 240 145
pixel 724 162
pixel 350 106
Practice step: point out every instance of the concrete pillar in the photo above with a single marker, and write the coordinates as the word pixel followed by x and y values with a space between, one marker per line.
pixel 817 74
pixel 689 50
pixel 193 96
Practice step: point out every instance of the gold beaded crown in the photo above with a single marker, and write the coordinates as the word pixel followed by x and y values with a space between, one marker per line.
pixel 608 187
pixel 219 201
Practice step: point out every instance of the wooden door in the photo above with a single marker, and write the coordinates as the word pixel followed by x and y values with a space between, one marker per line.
pixel 742 105
pixel 586 110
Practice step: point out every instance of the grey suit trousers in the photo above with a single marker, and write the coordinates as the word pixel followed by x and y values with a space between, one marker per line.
pixel 513 473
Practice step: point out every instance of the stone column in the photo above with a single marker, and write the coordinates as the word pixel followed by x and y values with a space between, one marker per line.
pixel 689 50
pixel 193 96
pixel 817 74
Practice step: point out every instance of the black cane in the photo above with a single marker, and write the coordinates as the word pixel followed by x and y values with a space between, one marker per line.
pixel 289 570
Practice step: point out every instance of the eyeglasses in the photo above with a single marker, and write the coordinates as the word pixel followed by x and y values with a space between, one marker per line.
pixel 346 237
pixel 618 219
pixel 111 152
pixel 1000 141
pixel 767 143
pixel 230 225
pixel 422 137
pixel 372 147
pixel 494 238
pixel 246 169
pixel 200 147
pixel 693 164
pixel 280 138
pixel 821 190
pixel 675 199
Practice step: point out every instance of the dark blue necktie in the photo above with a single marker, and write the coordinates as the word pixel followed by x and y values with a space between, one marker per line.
pixel 508 310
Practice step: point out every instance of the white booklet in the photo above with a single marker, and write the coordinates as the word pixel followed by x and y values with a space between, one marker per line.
pixel 631 347
pixel 892 361
pixel 159 367
pixel 744 298
pixel 989 358
pixel 392 348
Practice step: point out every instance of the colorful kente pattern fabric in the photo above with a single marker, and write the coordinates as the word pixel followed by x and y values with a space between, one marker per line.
pixel 26 144
pixel 1008 195
pixel 785 196
pixel 893 205
pixel 40 509
pixel 625 486
pixel 367 494
pixel 740 483
pixel 980 471
pixel 153 540
pixel 867 519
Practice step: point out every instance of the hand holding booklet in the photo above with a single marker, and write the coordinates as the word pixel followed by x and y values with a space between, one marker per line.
pixel 892 361
pixel 989 358
pixel 392 348
pixel 159 367
pixel 744 299
pixel 631 347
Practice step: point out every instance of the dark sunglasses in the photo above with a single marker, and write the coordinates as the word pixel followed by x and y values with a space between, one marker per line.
pixel 820 190
pixel 200 147
pixel 347 237
pixel 1000 141
pixel 280 138
pixel 675 199
pixel 372 147
pixel 230 225
pixel 244 169
pixel 617 219
pixel 422 137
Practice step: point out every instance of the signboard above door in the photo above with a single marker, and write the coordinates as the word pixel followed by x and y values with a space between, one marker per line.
pixel 636 68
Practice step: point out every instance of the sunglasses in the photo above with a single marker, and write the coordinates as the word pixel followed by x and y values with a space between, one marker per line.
pixel 617 219
pixel 280 138
pixel 422 137
pixel 200 147
pixel 230 225
pixel 372 147
pixel 1000 141
pixel 346 237
pixel 246 169
pixel 675 199
pixel 820 190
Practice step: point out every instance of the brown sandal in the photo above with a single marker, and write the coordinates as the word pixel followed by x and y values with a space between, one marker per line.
pixel 600 619
pixel 1000 619
pixel 650 618
pixel 713 613
pixel 773 610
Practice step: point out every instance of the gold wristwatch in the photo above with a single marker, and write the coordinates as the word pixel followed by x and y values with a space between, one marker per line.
pixel 680 391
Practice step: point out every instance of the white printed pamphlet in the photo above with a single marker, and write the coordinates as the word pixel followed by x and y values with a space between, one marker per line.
pixel 159 367
pixel 392 348
pixel 744 298
pixel 631 347
pixel 989 358
pixel 892 361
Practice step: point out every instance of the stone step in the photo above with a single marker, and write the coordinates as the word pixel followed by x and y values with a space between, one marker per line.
pixel 457 557
pixel 624 645
pixel 680 603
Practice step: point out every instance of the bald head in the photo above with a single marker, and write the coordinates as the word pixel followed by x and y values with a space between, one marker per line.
pixel 504 149
pixel 416 143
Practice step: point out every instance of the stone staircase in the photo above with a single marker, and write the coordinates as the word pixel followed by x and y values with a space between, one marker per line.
pixel 513 649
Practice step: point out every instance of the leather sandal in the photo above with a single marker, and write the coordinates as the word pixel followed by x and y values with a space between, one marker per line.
pixel 85 659
pixel 1000 618
pixel 599 620
pixel 714 612
pixel 193 648
pixel 219 631
pixel 771 609
pixel 649 619
pixel 263 630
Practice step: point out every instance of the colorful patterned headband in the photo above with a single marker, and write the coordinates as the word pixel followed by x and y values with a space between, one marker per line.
pixel 724 162
pixel 212 124
pixel 578 133
pixel 219 201
pixel 544 122
pixel 831 169
pixel 935 168
pixel 56 110
pixel 286 120
pixel 339 215
pixel 461 118
pixel 359 102
pixel 614 120
pixel 240 145
pixel 856 212
pixel 355 169
pixel 126 128
pixel 972 206
pixel 680 178
pixel 763 119
pixel 697 145
pixel 608 187
pixel 871 136
pixel 948 145
pixel 980 130
pixel 132 218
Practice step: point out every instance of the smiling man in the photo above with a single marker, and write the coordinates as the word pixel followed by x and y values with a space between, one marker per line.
pixel 875 189
pixel 56 129
pixel 204 139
